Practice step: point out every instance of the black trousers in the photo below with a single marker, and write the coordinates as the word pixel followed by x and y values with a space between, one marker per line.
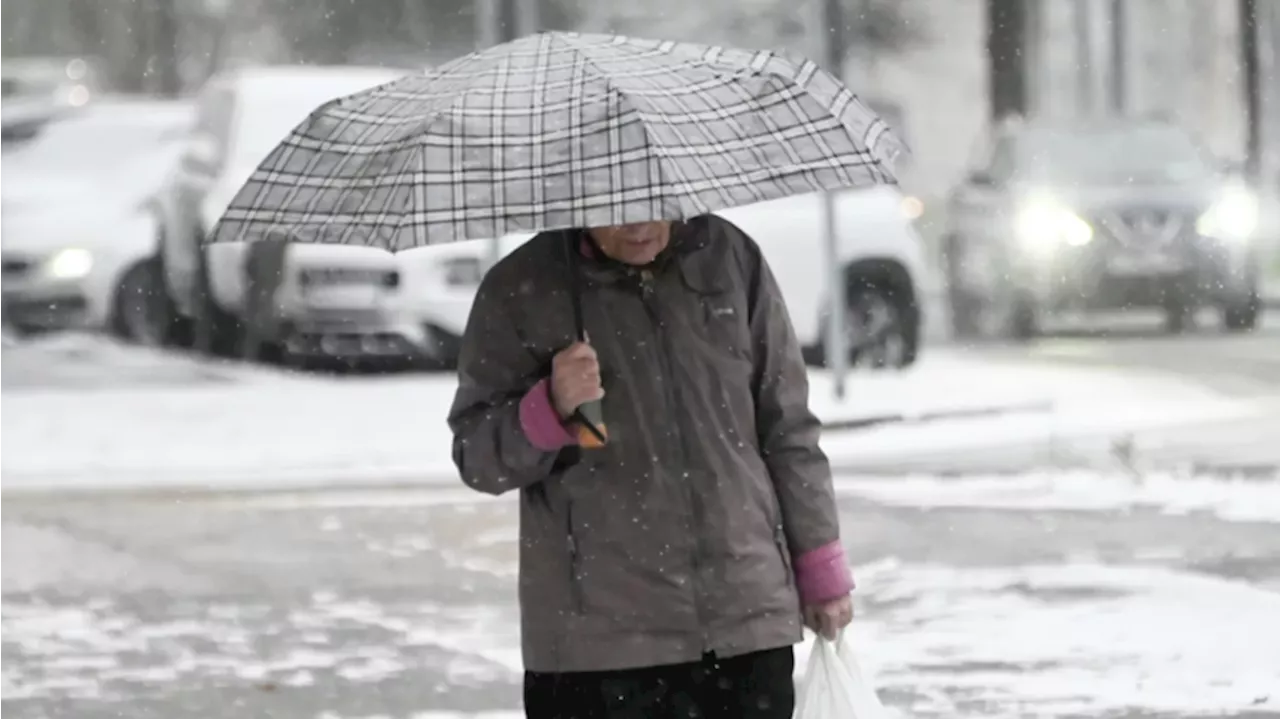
pixel 751 686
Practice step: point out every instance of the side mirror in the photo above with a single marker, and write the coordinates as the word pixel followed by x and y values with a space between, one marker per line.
pixel 201 155
pixel 981 178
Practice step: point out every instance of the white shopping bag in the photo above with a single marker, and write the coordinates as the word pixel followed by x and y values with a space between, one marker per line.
pixel 834 686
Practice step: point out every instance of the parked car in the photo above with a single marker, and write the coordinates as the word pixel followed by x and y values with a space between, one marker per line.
pixel 78 243
pixel 340 302
pixel 22 119
pixel 1101 216
pixel 882 254
pixel 68 81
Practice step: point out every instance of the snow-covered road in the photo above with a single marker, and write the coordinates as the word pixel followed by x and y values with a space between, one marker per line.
pixel 82 413
pixel 401 604
pixel 1106 576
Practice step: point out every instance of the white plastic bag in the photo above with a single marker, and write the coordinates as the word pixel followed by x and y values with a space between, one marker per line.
pixel 834 686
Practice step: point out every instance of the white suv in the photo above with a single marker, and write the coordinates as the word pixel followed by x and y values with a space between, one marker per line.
pixel 885 270
pixel 337 302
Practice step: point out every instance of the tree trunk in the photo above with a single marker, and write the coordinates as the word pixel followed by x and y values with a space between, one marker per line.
pixel 1117 89
pixel 1006 57
pixel 1250 64
pixel 164 56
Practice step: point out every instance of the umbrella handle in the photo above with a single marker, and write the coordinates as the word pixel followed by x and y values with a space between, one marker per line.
pixel 592 432
pixel 590 416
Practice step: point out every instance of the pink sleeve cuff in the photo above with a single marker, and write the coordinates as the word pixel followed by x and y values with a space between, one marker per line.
pixel 823 574
pixel 540 422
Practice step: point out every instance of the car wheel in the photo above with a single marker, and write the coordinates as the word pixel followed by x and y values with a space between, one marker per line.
pixel 180 330
pixel 1007 315
pixel 966 314
pixel 216 332
pixel 1003 312
pixel 253 348
pixel 1242 315
pixel 142 311
pixel 879 329
pixel 1023 322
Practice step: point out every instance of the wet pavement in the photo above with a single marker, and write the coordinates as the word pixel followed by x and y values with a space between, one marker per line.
pixel 402 604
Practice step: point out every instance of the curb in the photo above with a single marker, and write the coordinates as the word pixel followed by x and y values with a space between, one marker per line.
pixel 937 416
pixel 197 485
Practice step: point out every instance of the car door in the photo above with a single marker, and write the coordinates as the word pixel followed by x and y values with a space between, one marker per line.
pixel 199 165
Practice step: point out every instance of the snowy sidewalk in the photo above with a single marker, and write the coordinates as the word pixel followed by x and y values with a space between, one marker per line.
pixel 153 421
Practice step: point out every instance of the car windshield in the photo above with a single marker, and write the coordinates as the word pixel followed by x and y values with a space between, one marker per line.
pixel 268 111
pixel 1114 154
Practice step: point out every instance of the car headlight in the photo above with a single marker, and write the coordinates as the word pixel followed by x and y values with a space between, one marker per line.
pixel 71 263
pixel 1233 217
pixel 1043 225
pixel 912 207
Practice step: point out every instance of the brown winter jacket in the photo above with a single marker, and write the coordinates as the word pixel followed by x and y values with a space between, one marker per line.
pixel 678 537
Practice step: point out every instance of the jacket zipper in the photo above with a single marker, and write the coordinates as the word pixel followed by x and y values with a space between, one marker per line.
pixel 780 541
pixel 575 586
pixel 666 374
pixel 780 538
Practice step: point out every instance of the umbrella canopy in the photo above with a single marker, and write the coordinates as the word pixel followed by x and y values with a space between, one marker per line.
pixel 561 130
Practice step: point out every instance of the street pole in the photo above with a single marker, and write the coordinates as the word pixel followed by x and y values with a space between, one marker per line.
pixel 1250 63
pixel 1035 65
pixel 1007 22
pixel 528 17
pixel 1118 85
pixel 1085 105
pixel 837 351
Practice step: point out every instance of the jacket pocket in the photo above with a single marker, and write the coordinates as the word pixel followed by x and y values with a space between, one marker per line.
pixel 780 537
pixel 780 541
pixel 575 561
pixel 721 313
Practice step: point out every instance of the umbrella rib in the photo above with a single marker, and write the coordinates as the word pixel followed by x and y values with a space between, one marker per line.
pixel 623 97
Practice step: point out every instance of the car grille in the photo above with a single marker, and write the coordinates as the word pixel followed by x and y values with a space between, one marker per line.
pixel 1138 228
pixel 15 267
pixel 348 276
pixel 343 318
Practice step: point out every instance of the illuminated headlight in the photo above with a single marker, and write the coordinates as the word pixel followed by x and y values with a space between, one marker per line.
pixel 1044 225
pixel 71 263
pixel 912 207
pixel 1233 217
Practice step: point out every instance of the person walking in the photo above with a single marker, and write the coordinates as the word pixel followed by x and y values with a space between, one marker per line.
pixel 667 570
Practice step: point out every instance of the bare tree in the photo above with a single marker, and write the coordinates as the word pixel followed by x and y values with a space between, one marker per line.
pixel 164 48
pixel 1250 63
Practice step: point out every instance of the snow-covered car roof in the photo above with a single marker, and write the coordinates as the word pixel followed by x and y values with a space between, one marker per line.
pixel 104 152
pixel 271 100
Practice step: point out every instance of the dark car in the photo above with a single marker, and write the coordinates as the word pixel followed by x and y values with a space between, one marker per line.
pixel 1105 216
pixel 21 119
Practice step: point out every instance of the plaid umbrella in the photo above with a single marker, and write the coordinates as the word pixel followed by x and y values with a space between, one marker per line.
pixel 561 130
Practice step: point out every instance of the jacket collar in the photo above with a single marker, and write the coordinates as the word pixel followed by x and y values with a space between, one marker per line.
pixel 687 237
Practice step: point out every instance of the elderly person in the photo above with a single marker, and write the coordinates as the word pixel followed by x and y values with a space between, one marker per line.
pixel 666 573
